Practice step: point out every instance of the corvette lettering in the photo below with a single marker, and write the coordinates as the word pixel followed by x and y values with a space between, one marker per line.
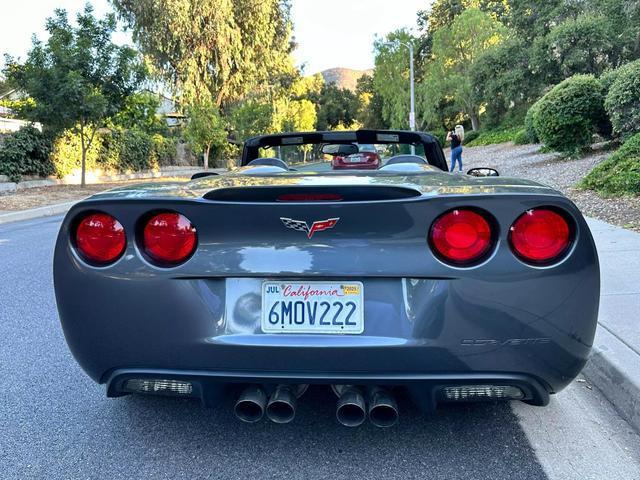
pixel 303 226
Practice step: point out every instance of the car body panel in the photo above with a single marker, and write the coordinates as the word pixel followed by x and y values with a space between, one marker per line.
pixel 425 321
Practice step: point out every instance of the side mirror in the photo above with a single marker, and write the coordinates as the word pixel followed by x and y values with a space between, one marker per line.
pixel 483 172
pixel 340 149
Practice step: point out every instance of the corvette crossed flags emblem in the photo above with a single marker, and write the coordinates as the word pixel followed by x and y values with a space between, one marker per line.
pixel 302 226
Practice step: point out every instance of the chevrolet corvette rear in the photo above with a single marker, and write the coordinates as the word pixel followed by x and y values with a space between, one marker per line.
pixel 450 288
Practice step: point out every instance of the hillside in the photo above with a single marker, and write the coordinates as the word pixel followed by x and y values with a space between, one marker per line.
pixel 344 77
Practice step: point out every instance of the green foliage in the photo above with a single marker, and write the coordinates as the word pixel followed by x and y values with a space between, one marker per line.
pixel 521 137
pixel 502 79
pixel 139 111
pixel 581 45
pixel 529 126
pixel 251 118
pixel 470 136
pixel 566 117
pixel 391 77
pixel 336 106
pixel 443 12
pixel 623 100
pixel 115 150
pixel 370 104
pixel 78 78
pixel 441 135
pixel 205 128
pixel 449 74
pixel 491 137
pixel 620 173
pixel 217 50
pixel 25 152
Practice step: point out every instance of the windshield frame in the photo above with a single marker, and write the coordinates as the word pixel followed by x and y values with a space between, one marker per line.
pixel 433 151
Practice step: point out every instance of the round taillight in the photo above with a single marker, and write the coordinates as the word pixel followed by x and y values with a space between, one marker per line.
pixel 169 238
pixel 461 237
pixel 540 236
pixel 100 238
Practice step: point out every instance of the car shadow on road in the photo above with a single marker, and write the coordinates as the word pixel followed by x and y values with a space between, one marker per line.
pixel 457 441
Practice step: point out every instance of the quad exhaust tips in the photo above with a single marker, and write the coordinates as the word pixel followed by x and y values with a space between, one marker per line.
pixel 383 409
pixel 350 410
pixel 251 404
pixel 282 405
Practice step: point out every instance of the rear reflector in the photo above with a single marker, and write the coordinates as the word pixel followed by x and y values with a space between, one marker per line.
pixel 169 238
pixel 100 238
pixel 540 236
pixel 461 393
pixel 461 237
pixel 158 386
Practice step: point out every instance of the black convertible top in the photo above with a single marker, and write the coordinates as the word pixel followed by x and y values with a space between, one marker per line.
pixel 433 150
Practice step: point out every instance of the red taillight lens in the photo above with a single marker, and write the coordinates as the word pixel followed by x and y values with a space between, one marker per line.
pixel 169 238
pixel 540 236
pixel 461 236
pixel 100 238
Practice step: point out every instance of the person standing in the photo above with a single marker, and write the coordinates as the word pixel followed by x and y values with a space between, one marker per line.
pixel 456 137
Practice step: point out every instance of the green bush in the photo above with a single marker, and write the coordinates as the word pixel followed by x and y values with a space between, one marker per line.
pixel 470 136
pixel 532 136
pixel 521 137
pixel 116 151
pixel 66 155
pixel 490 137
pixel 620 173
pixel 607 78
pixel 25 152
pixel 441 135
pixel 622 102
pixel 568 116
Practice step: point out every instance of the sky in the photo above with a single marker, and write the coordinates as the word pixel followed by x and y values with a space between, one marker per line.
pixel 329 33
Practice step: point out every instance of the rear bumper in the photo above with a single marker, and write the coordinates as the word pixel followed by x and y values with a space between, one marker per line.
pixel 426 390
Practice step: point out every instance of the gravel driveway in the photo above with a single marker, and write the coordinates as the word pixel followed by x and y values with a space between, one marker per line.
pixel 525 161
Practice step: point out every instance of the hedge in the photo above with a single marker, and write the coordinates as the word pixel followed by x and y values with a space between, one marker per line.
pixel 115 151
pixel 529 128
pixel 568 116
pixel 622 102
pixel 491 137
pixel 521 137
pixel 620 173
pixel 25 152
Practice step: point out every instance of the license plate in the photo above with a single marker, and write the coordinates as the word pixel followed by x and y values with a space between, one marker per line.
pixel 356 159
pixel 313 307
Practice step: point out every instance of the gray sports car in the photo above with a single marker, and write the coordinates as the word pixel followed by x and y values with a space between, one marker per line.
pixel 284 272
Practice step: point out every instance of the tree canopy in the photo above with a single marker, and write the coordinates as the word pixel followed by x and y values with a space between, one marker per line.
pixel 78 78
pixel 221 49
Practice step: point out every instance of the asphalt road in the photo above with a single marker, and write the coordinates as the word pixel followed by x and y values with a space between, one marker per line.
pixel 56 423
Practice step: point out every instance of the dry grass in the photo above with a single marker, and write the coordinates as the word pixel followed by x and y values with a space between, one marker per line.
pixel 41 196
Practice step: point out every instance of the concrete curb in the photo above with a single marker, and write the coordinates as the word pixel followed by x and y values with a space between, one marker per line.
pixel 614 368
pixel 32 213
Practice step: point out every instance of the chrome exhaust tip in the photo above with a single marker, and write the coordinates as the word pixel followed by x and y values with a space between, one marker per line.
pixel 251 404
pixel 351 409
pixel 383 408
pixel 282 405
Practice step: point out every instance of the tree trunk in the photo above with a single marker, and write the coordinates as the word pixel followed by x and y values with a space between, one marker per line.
pixel 205 156
pixel 83 168
pixel 475 124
